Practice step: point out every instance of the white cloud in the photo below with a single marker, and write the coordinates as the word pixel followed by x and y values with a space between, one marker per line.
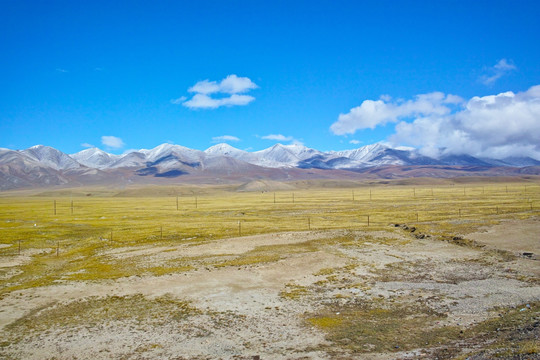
pixel 205 87
pixel 87 145
pixel 224 138
pixel 282 138
pixel 355 142
pixel 203 101
pixel 62 70
pixel 495 126
pixel 277 137
pixel 494 73
pixel 112 142
pixel 231 86
pixel 179 101
pixel 371 114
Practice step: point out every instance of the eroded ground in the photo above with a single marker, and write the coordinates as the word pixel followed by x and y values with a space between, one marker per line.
pixel 397 293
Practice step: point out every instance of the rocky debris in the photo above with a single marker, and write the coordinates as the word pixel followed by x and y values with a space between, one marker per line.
pixel 412 229
pixel 529 255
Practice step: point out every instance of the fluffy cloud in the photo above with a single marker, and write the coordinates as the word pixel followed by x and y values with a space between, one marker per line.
pixel 496 126
pixel 87 145
pixel 494 73
pixel 224 138
pixel 372 113
pixel 232 86
pixel 203 101
pixel 354 142
pixel 112 142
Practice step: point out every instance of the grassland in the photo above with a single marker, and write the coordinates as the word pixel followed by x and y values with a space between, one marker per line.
pixel 101 236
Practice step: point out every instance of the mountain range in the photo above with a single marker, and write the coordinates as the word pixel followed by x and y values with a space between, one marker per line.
pixel 41 166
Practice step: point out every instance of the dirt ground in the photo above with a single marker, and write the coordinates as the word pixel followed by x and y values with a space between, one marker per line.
pixel 261 309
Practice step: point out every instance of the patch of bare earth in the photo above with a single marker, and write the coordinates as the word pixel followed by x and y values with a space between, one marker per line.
pixel 290 306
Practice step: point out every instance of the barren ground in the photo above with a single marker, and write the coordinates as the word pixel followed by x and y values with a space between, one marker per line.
pixel 294 305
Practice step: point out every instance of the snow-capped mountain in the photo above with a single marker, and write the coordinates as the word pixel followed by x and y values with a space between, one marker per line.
pixel 51 157
pixel 44 166
pixel 165 150
pixel 95 158
pixel 224 149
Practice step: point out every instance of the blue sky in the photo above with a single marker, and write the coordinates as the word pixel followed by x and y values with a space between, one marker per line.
pixel 329 74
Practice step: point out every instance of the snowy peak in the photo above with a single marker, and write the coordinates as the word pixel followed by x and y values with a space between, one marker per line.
pixel 224 149
pixel 51 157
pixel 178 151
pixel 277 156
pixel 281 155
pixel 364 153
pixel 176 159
pixel 95 158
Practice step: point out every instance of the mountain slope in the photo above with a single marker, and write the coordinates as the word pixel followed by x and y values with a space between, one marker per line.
pixel 51 157
pixel 95 158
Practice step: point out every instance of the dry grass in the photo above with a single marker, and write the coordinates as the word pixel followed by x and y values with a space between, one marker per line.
pixel 108 220
pixel 78 246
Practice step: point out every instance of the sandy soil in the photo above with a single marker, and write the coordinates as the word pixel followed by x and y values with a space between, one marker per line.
pixel 243 312
pixel 512 235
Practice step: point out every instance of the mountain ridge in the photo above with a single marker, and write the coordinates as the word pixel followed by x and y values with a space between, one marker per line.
pixel 42 165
